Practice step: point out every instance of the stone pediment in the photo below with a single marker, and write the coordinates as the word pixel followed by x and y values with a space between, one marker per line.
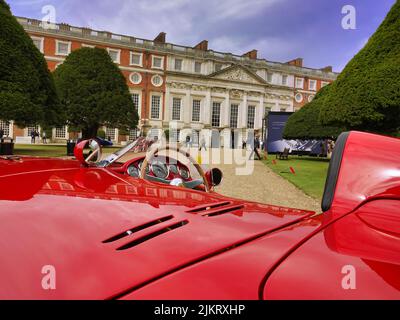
pixel 238 74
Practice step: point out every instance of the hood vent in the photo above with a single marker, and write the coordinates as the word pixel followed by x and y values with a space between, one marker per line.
pixel 217 209
pixel 153 235
pixel 220 211
pixel 138 228
pixel 208 207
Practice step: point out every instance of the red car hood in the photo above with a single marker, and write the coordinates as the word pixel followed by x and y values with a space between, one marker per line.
pixel 106 234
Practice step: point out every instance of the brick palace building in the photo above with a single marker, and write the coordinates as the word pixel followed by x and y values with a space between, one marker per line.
pixel 191 89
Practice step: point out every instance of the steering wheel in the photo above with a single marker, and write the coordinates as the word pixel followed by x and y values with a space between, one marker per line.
pixel 192 184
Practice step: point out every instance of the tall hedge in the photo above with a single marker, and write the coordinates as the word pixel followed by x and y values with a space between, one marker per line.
pixel 27 90
pixel 304 124
pixel 366 95
pixel 93 92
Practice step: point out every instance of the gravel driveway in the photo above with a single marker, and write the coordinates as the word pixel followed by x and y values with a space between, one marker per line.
pixel 264 186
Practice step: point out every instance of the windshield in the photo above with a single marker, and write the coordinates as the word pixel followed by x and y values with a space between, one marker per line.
pixel 140 145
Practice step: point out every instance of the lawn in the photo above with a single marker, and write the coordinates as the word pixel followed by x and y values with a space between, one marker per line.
pixel 310 172
pixel 41 150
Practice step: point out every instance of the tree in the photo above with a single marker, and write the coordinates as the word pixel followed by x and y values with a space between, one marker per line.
pixel 94 92
pixel 366 95
pixel 27 91
pixel 304 124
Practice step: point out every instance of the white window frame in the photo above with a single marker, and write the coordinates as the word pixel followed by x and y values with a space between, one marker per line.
pixel 285 76
pixel 173 106
pixel 175 62
pixel 116 133
pixel 65 132
pixel 139 93
pixel 160 106
pixel 41 39
pixel 152 80
pixel 269 76
pixel 302 83
pixel 194 67
pixel 58 42
pixel 315 84
pixel 152 62
pixel 7 127
pixel 131 78
pixel 236 113
pixel 299 100
pixel 251 122
pixel 133 53
pixel 212 113
pixel 118 51
pixel 192 113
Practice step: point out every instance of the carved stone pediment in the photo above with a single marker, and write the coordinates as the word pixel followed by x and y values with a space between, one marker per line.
pixel 236 94
pixel 218 90
pixel 239 74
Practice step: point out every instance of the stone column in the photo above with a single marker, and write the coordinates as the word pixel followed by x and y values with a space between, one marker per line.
pixel 225 108
pixel 259 113
pixel 243 112
pixel 167 107
pixel 206 118
pixel 186 106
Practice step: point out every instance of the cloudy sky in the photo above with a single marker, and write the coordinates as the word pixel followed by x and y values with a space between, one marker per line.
pixel 280 29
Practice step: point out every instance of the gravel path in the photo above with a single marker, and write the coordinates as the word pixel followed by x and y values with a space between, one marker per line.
pixel 264 186
pixel 260 185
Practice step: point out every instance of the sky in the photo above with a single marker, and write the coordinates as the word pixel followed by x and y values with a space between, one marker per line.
pixel 280 30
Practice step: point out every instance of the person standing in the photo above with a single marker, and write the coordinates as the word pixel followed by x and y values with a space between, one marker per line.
pixel 1 133
pixel 44 138
pixel 255 145
pixel 202 144
pixel 33 136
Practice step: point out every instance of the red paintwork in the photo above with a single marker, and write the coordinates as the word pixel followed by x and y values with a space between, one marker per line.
pixel 78 152
pixel 55 212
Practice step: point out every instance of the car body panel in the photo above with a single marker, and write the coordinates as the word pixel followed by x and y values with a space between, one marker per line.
pixel 111 236
pixel 320 269
pixel 63 218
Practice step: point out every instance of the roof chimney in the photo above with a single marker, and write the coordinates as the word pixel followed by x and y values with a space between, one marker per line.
pixel 160 38
pixel 327 69
pixel 298 62
pixel 251 54
pixel 203 45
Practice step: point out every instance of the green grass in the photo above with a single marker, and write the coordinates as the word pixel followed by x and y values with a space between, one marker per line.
pixel 310 173
pixel 40 150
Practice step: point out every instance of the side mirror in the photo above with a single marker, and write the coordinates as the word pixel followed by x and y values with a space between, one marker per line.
pixel 88 152
pixel 214 177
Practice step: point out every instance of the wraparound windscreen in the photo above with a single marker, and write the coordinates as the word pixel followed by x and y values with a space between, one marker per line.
pixel 276 143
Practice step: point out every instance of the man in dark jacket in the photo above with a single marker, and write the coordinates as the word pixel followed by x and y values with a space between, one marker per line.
pixel 255 145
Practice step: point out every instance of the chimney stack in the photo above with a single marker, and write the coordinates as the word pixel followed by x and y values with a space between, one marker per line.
pixel 251 54
pixel 327 69
pixel 298 62
pixel 160 38
pixel 203 45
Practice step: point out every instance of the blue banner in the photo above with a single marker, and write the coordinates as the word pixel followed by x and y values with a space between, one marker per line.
pixel 276 143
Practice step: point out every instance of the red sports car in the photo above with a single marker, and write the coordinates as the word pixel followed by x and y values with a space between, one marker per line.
pixel 148 229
